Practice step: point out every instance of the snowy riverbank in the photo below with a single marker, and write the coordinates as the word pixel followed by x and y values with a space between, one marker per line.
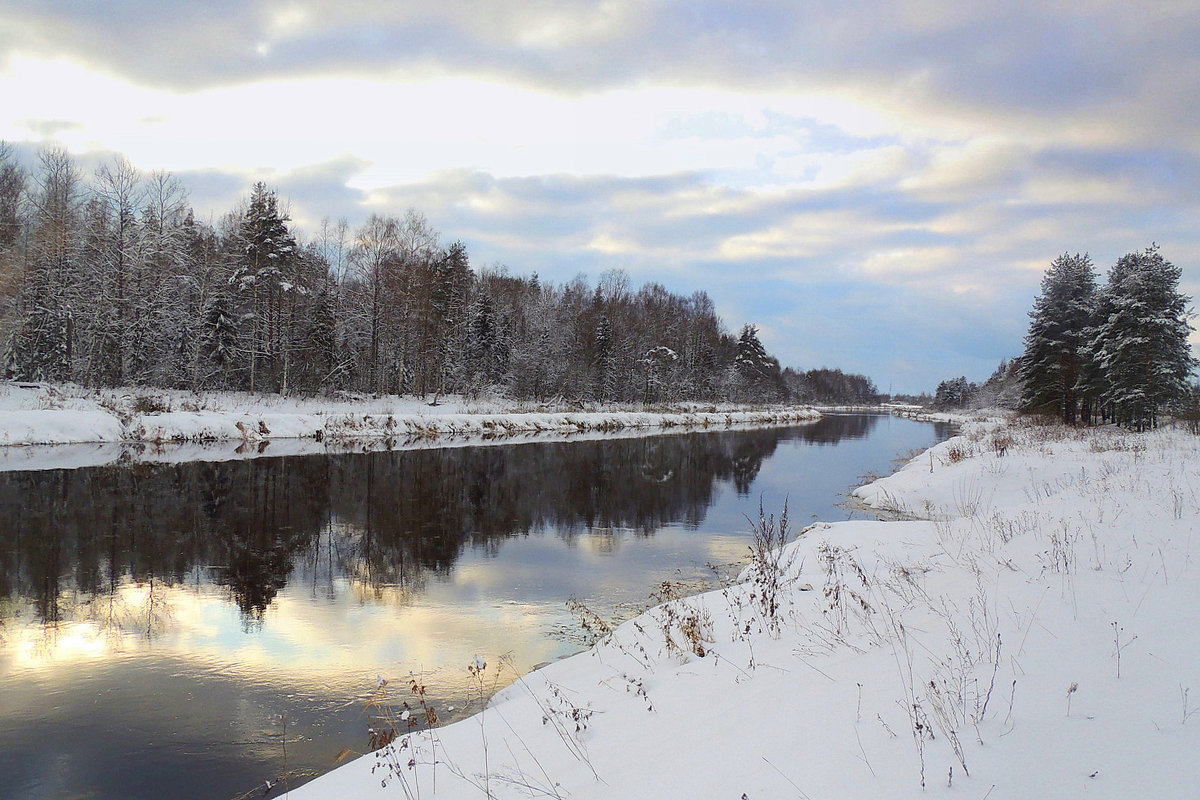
pixel 1037 635
pixel 175 425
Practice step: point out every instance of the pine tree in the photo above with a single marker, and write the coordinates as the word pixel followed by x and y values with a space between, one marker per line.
pixel 1051 365
pixel 262 277
pixel 539 355
pixel 41 347
pixel 452 280
pixel 1139 359
pixel 758 372
pixel 320 343
pixel 488 349
pixel 954 393
pixel 604 368
pixel 218 339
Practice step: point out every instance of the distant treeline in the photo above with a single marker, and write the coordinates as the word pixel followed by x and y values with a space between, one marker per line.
pixel 1001 390
pixel 830 386
pixel 114 281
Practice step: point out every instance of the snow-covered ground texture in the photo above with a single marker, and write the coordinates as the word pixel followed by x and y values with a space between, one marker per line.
pixel 1036 635
pixel 42 414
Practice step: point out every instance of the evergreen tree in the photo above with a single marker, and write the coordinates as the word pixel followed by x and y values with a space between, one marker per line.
pixel 539 357
pixel 41 347
pixel 954 393
pixel 1093 372
pixel 482 326
pixel 452 281
pixel 1138 356
pixel 657 362
pixel 758 373
pixel 118 283
pixel 1050 367
pixel 319 344
pixel 261 277
pixel 604 368
pixel 218 339
pixel 487 353
pixel 1003 388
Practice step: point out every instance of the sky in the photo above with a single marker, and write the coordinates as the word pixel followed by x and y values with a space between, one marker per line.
pixel 878 186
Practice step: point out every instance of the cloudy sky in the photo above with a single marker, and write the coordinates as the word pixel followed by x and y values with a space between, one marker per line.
pixel 877 185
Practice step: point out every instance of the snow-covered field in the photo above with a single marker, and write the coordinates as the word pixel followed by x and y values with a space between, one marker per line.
pixel 1036 634
pixel 173 425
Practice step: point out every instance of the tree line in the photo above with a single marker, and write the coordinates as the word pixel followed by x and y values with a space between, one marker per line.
pixel 1113 353
pixel 1002 389
pixel 115 281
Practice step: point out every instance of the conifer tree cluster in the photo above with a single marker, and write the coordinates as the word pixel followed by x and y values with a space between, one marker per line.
pixel 1116 353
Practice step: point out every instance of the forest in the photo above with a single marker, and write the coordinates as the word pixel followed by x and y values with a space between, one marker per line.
pixel 114 281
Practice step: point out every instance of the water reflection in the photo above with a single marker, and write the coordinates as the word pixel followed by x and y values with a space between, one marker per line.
pixel 239 589
pixel 387 519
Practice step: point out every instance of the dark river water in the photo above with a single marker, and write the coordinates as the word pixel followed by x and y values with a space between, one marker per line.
pixel 163 627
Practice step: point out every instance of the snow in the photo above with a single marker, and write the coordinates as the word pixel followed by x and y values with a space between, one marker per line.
pixel 157 425
pixel 58 426
pixel 1029 628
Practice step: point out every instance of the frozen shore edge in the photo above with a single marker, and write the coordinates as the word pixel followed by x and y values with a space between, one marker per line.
pixel 983 636
pixel 54 427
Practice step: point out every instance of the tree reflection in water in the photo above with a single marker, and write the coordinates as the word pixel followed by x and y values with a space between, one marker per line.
pixel 385 519
pixel 380 519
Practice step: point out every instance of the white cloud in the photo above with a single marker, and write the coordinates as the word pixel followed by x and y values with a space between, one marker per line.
pixel 936 145
pixel 406 129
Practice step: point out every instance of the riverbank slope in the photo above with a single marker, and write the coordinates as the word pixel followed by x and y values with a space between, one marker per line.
pixel 45 414
pixel 1036 634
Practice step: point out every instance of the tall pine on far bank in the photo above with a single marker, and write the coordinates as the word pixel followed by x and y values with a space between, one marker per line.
pixel 1051 365
pixel 1137 358
pixel 265 273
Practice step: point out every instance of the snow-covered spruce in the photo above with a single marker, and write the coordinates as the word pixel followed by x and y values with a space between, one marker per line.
pixel 1136 358
pixel 1037 635
pixel 1051 364
pixel 1119 353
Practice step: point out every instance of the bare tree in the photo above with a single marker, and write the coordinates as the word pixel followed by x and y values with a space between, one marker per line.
pixel 374 260
pixel 12 186
pixel 112 259
pixel 12 190
pixel 43 346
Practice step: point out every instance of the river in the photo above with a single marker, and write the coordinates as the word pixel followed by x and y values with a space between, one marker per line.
pixel 194 630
